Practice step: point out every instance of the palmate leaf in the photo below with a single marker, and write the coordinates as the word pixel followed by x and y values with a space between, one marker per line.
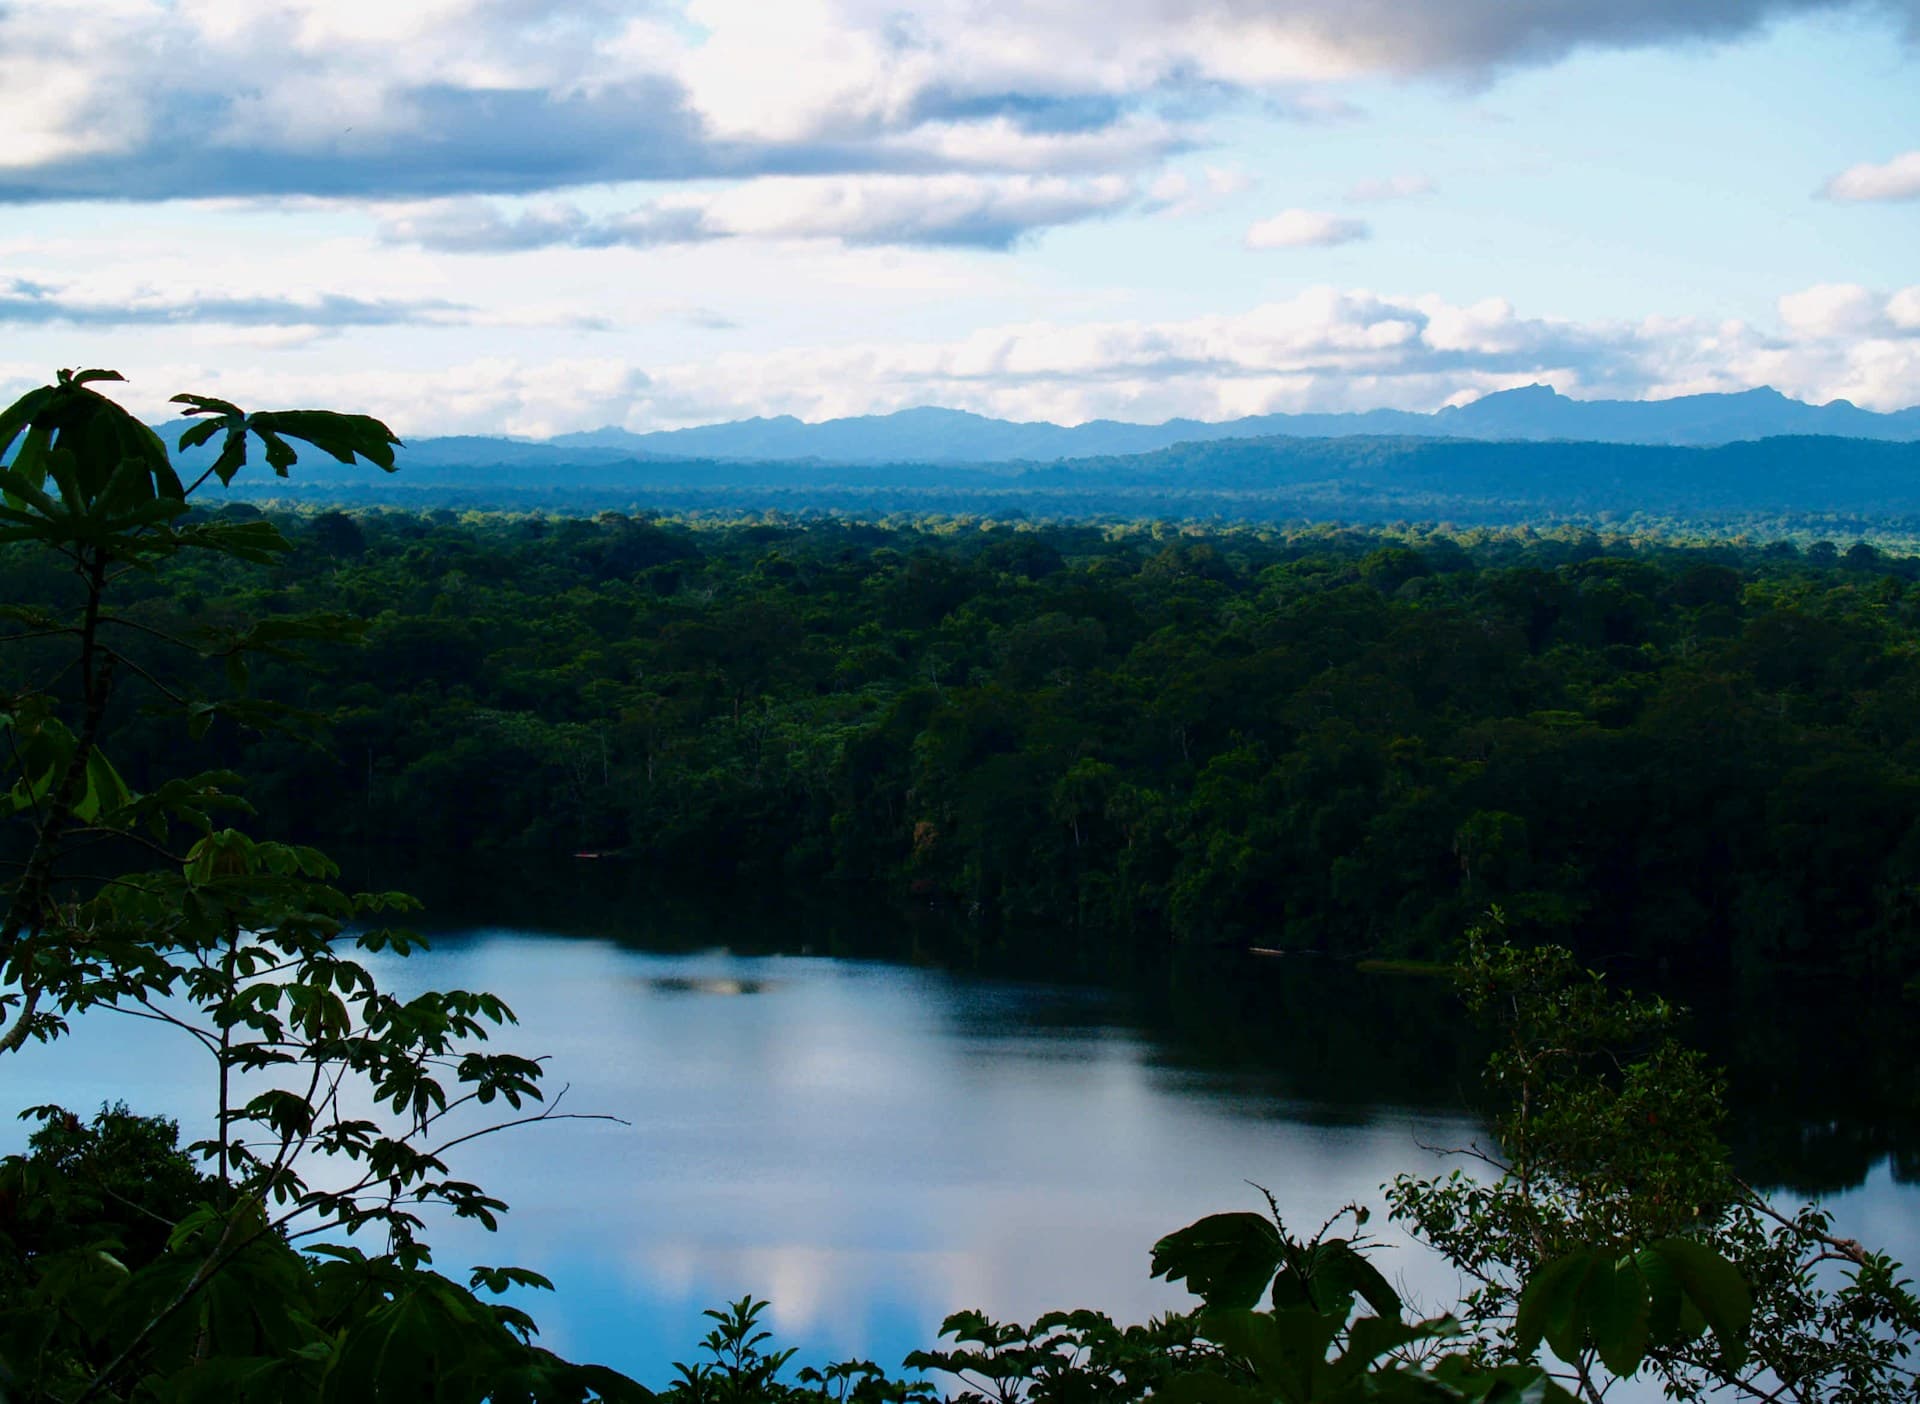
pixel 430 1342
pixel 1287 1350
pixel 17 416
pixel 1666 1293
pixel 111 475
pixel 105 791
pixel 499 1279
pixel 1707 1283
pixel 83 377
pixel 1335 1269
pixel 1225 1259
pixel 1464 1378
pixel 24 497
pixel 1617 1307
pixel 345 437
pixel 238 1379
pixel 1208 1388
pixel 1551 1307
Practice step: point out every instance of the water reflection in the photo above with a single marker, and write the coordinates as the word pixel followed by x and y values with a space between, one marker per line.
pixel 1821 1083
pixel 874 1143
pixel 870 1145
pixel 685 984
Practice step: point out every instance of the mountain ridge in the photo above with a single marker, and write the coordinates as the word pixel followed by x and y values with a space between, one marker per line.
pixel 1530 413
pixel 934 435
pixel 1874 484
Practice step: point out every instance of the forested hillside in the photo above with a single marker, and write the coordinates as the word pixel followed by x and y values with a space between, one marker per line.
pixel 1800 485
pixel 1322 739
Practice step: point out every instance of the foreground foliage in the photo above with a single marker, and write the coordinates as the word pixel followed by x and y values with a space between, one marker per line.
pixel 130 1273
pixel 1608 1187
pixel 133 1269
pixel 1604 1232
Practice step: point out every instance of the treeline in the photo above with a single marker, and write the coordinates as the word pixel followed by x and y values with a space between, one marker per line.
pixel 1349 741
pixel 1372 479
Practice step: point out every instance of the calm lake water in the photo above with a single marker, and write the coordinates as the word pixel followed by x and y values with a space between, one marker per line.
pixel 874 1143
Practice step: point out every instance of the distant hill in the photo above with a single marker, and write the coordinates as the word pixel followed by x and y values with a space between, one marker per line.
pixel 1535 412
pixel 1352 479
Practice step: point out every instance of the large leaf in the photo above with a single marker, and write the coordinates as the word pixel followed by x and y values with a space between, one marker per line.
pixel 1617 1315
pixel 1662 1295
pixel 345 437
pixel 1333 1270
pixel 112 474
pixel 20 413
pixel 1207 1388
pixel 1499 1384
pixel 1287 1350
pixel 1714 1288
pixel 430 1343
pixel 1225 1259
pixel 1551 1306
pixel 105 791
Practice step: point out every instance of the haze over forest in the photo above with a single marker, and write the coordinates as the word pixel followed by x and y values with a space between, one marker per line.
pixel 1714 460
pixel 936 435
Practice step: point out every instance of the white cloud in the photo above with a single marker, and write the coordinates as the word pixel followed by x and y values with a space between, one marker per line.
pixel 1324 349
pixel 484 395
pixel 26 303
pixel 979 211
pixel 1002 144
pixel 1305 229
pixel 154 99
pixel 1832 309
pixel 1898 179
pixel 1903 310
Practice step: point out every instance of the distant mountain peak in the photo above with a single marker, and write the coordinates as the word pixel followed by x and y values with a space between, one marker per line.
pixel 1536 392
pixel 937 434
pixel 931 413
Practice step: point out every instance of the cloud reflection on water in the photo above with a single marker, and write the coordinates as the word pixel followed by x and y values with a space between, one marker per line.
pixel 868 1145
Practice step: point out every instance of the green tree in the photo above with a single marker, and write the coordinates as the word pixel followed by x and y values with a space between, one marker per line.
pixel 1609 1190
pixel 245 946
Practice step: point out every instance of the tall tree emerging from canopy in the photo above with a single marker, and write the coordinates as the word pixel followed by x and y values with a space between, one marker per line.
pixel 153 903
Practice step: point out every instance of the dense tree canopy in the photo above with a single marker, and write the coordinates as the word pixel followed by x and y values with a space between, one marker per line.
pixel 1342 740
pixel 1321 739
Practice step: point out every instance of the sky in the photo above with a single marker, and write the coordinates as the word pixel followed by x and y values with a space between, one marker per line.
pixel 536 216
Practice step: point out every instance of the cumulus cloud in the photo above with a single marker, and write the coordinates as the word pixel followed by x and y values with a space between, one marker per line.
pixel 1833 309
pixel 1324 349
pixel 1305 229
pixel 486 395
pixel 938 211
pixel 160 99
pixel 1903 311
pixel 1898 179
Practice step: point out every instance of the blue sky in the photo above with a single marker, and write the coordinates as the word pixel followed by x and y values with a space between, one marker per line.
pixel 510 216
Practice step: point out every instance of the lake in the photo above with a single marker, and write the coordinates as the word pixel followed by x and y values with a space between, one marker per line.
pixel 872 1143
